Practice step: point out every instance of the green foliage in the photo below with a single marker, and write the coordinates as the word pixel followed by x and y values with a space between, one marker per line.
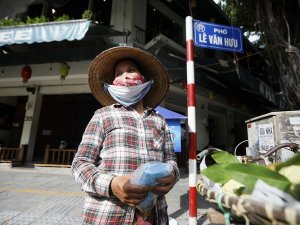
pixel 241 13
pixel 217 174
pixel 87 14
pixel 34 20
pixel 292 161
pixel 64 17
pixel 223 157
pixel 42 19
pixel 244 14
pixel 229 169
pixel 246 174
pixel 9 22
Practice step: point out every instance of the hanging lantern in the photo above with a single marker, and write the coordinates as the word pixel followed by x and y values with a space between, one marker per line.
pixel 26 73
pixel 63 70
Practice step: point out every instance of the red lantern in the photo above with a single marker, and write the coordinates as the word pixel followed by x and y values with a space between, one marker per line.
pixel 26 73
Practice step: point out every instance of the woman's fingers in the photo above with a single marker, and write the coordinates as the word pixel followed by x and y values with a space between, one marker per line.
pixel 165 184
pixel 128 193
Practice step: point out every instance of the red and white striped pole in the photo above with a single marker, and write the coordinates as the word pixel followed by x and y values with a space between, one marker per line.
pixel 191 121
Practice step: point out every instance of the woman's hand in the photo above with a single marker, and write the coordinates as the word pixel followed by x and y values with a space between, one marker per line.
pixel 165 184
pixel 128 193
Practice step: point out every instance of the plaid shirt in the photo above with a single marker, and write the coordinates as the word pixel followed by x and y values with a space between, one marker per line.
pixel 116 142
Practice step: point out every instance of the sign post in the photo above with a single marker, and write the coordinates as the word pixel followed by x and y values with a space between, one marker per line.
pixel 191 121
pixel 205 35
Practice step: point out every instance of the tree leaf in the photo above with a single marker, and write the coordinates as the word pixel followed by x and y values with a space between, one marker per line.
pixel 223 157
pixel 291 173
pixel 295 160
pixel 248 174
pixel 216 173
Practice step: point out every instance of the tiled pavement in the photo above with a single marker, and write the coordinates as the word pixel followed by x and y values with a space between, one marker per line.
pixel 50 196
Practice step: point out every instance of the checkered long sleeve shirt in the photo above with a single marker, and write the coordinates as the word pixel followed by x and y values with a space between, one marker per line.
pixel 117 141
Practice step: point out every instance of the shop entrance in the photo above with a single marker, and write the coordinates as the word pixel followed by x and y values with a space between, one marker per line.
pixel 63 118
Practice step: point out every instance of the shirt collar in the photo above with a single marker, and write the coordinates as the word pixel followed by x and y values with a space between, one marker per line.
pixel 148 109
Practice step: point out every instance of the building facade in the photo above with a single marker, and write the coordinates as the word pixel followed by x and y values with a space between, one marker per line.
pixel 55 103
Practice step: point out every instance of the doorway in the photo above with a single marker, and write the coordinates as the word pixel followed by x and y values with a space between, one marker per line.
pixel 217 126
pixel 63 118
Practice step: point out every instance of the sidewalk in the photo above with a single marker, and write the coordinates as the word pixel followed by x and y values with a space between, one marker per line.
pixel 50 196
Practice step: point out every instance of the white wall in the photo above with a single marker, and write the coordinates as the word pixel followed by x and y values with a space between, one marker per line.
pixel 43 75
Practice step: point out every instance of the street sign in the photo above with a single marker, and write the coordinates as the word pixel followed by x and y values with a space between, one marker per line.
pixel 219 37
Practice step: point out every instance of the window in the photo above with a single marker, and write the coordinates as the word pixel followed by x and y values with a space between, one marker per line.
pixel 157 23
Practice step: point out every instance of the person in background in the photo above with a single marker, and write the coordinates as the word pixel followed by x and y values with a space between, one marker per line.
pixel 121 136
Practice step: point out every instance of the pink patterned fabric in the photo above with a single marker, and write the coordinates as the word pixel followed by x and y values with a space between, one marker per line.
pixel 125 80
pixel 148 220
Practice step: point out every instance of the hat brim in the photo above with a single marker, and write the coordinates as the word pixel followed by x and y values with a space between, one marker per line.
pixel 101 70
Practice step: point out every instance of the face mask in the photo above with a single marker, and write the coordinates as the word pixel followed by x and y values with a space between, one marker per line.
pixel 128 96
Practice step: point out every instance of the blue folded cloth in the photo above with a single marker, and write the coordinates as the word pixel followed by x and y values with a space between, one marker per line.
pixel 146 175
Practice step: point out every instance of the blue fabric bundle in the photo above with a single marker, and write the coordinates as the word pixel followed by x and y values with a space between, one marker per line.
pixel 146 175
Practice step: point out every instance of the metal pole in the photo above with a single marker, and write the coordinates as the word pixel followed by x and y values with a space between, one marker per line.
pixel 191 103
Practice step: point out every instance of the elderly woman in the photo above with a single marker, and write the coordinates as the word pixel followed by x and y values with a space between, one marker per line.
pixel 121 136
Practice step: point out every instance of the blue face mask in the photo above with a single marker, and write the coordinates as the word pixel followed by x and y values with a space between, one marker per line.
pixel 128 95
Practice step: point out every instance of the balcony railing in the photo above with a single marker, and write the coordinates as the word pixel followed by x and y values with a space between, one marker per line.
pixel 10 155
pixel 58 157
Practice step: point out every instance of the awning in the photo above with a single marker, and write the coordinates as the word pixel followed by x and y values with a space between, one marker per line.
pixel 59 42
pixel 44 32
pixel 168 114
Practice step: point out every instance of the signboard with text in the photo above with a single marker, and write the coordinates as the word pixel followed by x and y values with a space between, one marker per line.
pixel 219 37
